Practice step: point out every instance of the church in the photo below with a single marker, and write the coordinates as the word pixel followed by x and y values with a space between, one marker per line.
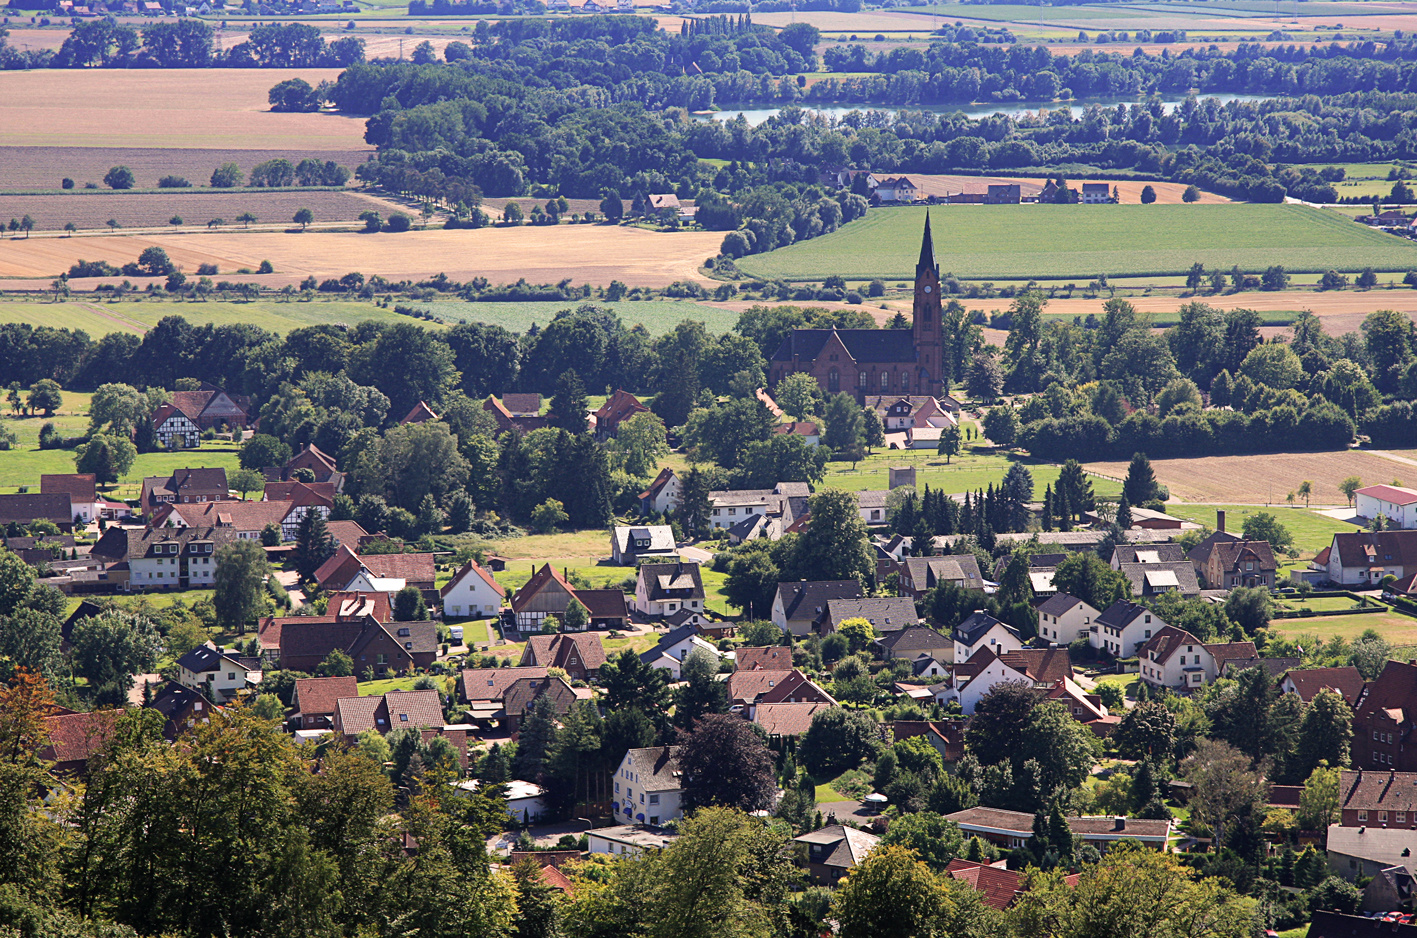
pixel 874 362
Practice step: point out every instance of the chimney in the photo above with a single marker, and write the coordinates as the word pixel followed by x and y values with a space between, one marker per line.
pixel 1220 520
pixel 1119 823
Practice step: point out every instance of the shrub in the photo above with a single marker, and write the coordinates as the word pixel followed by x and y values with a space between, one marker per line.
pixel 174 182
pixel 207 270
pixel 399 222
pixel 119 177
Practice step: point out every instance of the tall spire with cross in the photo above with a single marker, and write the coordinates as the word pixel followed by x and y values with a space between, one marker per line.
pixel 927 251
pixel 927 313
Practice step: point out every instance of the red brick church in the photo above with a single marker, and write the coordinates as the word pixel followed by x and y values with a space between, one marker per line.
pixel 865 362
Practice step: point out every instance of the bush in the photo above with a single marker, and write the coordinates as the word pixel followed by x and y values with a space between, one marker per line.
pixel 67 183
pixel 174 182
pixel 207 270
pixel 119 177
pixel 398 222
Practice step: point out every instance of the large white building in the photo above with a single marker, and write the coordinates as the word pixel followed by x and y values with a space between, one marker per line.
pixel 649 786
pixel 1397 504
pixel 472 593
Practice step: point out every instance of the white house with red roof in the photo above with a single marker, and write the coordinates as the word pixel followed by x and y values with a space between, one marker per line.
pixel 1397 504
pixel 472 593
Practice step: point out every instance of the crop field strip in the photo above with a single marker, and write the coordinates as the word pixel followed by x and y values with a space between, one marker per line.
pixel 1021 241
pixel 44 168
pixel 196 207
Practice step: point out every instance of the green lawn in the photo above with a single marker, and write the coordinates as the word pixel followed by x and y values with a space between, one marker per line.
pixel 1319 604
pixel 1399 630
pixel 1312 531
pixel 1026 241
pixel 968 471
pixel 370 688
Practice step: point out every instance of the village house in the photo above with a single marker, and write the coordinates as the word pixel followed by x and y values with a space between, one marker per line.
pixel 1384 720
pixel 211 408
pixel 483 690
pixel 777 507
pixel 1355 852
pixel 997 884
pixel 518 412
pixel 523 693
pixel 1064 618
pixel 420 413
pixel 800 608
pixel 472 593
pixel 303 498
pixel 1307 682
pixel 834 851
pixel 900 412
pixel 74 738
pixel 1096 193
pixel 378 573
pixel 1011 829
pixel 165 558
pixel 385 648
pixel 885 613
pixel 749 688
pixel 25 509
pixel 1380 798
pixel 632 544
pixel 1041 668
pixel 981 630
pixel 321 465
pixel 896 189
pixel 1391 889
pixel 628 840
pixel 649 786
pixel 184 487
pixel 1123 627
pixel 662 589
pixel 786 721
pixel 619 407
pixel 312 705
pixel 1397 504
pixel 1227 562
pixel 919 575
pixel 1176 659
pixel 244 520
pixel 674 646
pixel 182 708
pixel 663 495
pixel 911 643
pixel 175 429
pixel 808 431
pixel 82 489
pixel 1156 568
pixel 764 658
pixel 1364 558
pixel 220 675
pixel 580 655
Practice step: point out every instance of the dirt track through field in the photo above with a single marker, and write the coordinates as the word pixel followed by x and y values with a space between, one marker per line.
pixel 593 254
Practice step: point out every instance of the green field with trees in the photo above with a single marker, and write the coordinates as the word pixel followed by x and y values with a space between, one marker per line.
pixel 1021 242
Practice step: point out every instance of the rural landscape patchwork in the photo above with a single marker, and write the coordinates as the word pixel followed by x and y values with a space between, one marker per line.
pixel 715 469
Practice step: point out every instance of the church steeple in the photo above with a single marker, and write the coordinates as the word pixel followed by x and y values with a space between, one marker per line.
pixel 927 251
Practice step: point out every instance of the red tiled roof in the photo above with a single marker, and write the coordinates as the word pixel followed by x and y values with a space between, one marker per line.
pixel 769 658
pixel 1043 665
pixel 553 651
pixel 660 481
pixel 1165 642
pixel 473 567
pixel 420 413
pixel 999 886
pixel 317 695
pixel 1346 681
pixel 416 568
pixel 797 428
pixel 73 737
pixel 346 532
pixel 795 688
pixel 787 719
pixel 603 604
pixel 492 683
pixel 79 486
pixel 620 406
pixel 1393 494
pixel 554 877
pixel 750 685
pixel 521 405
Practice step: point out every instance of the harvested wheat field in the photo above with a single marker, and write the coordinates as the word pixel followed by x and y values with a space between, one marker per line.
pixel 595 254
pixel 1266 478
pixel 31 168
pixel 216 108
pixel 1128 190
pixel 195 207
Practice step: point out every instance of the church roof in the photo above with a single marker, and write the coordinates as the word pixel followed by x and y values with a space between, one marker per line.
pixel 864 345
pixel 927 251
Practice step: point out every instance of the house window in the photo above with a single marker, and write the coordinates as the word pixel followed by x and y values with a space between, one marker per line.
pixel 1399 818
pixel 654 799
pixel 861 379
pixel 231 675
pixel 404 633
pixel 654 820
pixel 403 717
pixel 833 380
pixel 885 381
pixel 1382 817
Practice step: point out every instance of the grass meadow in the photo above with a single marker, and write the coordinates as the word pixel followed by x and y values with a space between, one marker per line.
pixel 966 472
pixel 1020 242
pixel 1312 531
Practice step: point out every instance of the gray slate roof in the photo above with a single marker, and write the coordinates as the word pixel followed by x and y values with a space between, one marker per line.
pixel 886 613
pixel 657 768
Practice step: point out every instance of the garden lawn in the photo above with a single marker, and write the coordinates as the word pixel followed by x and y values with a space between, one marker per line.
pixel 370 688
pixel 1319 604
pixel 1312 531
pixel 1397 629
pixel 1026 241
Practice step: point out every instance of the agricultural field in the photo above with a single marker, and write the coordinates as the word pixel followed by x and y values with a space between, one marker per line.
pixel 1023 241
pixel 31 169
pixel 156 108
pixel 595 254
pixel 968 471
pixel 93 209
pixel 1128 190
pixel 1398 629
pixel 1265 479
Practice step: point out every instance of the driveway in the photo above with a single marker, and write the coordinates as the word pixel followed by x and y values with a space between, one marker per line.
pixel 847 811
pixel 696 554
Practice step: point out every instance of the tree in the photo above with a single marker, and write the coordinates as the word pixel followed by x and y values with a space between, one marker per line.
pixel 725 762
pixel 1148 195
pixel 539 904
pixel 409 605
pixel 835 545
pixel 336 664
pixel 1147 731
pixel 1192 194
pixel 875 430
pixel 45 396
pixel 111 647
pixel 107 456
pixel 1225 785
pixel 1263 526
pixel 536 741
pixel 263 450
pixel 838 739
pixel 303 218
pixel 119 177
pixel 1001 425
pixel 239 584
pixel 1249 607
pixel 1318 802
pixel 799 395
pixel 29 638
pixel 293 95
pixel 313 543
pixel 845 434
pixel 642 441
pixel 246 480
pixel 630 683
pixel 548 516
pixel 1091 579
pixel 1335 894
pixel 890 894
pixel 949 444
pixel 702 692
pixel 928 835
pixel 1324 735
pixel 1349 487
pixel 227 176
pixel 568 407
pixel 577 616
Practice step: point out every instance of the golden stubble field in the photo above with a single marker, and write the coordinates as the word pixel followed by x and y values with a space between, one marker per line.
pixel 208 108
pixel 1267 478
pixel 595 254
pixel 1128 190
